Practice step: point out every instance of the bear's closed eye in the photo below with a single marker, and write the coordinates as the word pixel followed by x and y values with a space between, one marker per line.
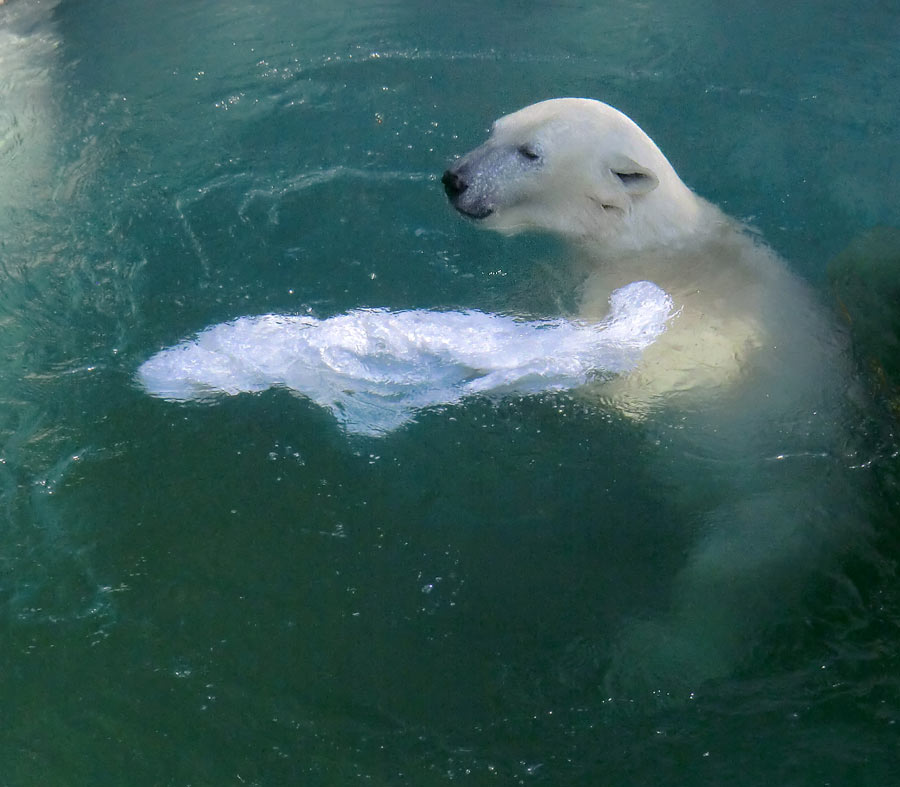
pixel 631 177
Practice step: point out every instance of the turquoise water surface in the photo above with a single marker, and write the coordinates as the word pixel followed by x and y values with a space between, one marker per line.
pixel 241 592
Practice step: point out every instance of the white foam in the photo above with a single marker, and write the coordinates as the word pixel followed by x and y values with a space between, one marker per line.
pixel 375 368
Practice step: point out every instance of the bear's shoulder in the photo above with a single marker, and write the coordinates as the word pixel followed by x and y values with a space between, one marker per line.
pixel 729 293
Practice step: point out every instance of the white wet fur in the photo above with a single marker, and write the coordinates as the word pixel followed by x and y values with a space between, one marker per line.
pixel 744 396
pixel 374 369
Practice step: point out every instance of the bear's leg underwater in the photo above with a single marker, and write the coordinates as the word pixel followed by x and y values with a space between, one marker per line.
pixel 783 505
pixel 764 475
pixel 745 394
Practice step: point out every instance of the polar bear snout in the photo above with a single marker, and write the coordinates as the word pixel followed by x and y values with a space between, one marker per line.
pixel 454 184
pixel 469 201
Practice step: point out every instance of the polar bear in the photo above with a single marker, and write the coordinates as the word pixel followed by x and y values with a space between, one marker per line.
pixel 744 390
pixel 582 170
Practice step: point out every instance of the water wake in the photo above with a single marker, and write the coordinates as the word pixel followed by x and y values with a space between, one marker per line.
pixel 373 368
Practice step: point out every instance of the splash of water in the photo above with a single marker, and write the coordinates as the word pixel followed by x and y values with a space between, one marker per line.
pixel 373 368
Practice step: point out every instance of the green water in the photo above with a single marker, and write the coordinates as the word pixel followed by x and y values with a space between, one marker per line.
pixel 238 593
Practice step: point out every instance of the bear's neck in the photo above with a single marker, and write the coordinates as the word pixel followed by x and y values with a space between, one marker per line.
pixel 670 216
pixel 687 263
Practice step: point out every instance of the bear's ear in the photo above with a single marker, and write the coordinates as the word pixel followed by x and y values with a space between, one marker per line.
pixel 636 179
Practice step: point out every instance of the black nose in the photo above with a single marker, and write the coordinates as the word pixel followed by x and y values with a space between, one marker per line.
pixel 454 185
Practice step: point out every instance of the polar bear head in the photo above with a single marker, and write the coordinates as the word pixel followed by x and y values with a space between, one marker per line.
pixel 578 168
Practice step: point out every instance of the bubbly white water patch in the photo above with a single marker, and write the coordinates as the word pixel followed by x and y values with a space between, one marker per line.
pixel 375 368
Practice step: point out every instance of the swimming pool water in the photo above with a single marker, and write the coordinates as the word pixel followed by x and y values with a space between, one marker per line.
pixel 240 592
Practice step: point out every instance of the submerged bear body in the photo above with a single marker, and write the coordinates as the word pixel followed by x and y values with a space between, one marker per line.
pixel 743 393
